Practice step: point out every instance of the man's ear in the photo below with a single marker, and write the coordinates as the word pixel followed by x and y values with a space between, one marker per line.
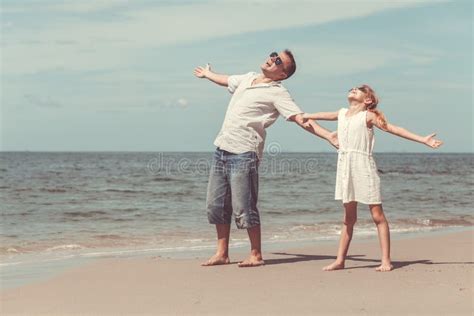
pixel 283 75
pixel 367 101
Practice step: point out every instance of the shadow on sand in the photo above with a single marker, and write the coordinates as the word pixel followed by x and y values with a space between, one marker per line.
pixel 358 258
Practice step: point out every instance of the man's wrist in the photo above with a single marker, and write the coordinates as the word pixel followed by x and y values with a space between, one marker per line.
pixel 207 74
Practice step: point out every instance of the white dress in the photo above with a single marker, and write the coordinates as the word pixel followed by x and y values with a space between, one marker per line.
pixel 357 178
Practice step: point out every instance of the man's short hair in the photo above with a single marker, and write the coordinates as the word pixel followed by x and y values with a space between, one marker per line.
pixel 290 70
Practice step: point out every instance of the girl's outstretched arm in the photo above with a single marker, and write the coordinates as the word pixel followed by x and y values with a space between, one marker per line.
pixel 429 140
pixel 322 116
pixel 316 129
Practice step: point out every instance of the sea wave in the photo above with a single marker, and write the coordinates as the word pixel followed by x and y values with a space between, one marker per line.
pixel 86 214
pixel 54 190
pixel 165 179
pixel 66 247
pixel 125 191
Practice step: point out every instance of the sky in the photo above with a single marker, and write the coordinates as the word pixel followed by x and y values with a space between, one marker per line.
pixel 117 75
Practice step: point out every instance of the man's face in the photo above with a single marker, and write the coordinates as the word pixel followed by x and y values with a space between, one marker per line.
pixel 275 65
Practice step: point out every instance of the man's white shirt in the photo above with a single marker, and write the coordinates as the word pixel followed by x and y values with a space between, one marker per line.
pixel 251 110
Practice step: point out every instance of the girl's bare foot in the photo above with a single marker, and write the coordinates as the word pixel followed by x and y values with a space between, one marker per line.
pixel 384 267
pixel 216 260
pixel 334 266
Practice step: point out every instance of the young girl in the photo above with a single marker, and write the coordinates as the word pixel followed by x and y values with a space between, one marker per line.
pixel 357 179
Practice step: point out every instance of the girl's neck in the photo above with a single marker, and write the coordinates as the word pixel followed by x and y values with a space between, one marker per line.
pixel 355 107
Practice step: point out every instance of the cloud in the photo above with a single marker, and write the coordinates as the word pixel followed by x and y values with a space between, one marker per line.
pixel 44 102
pixel 65 6
pixel 139 105
pixel 162 103
pixel 72 42
pixel 335 60
pixel 182 102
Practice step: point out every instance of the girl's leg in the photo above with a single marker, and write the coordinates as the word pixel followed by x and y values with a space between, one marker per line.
pixel 384 236
pixel 350 217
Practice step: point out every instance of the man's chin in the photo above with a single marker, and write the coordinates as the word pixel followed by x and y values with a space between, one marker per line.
pixel 264 69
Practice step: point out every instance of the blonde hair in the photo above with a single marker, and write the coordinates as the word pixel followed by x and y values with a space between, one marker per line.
pixel 372 106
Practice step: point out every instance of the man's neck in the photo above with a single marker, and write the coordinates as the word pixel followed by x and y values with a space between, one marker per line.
pixel 262 79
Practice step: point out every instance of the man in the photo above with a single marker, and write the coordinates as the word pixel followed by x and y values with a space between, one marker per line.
pixel 257 101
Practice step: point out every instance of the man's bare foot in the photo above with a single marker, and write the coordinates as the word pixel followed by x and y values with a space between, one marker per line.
pixel 215 261
pixel 334 266
pixel 252 261
pixel 384 267
pixel 333 140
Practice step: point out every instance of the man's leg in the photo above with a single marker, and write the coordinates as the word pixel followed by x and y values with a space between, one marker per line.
pixel 222 252
pixel 244 184
pixel 219 209
pixel 255 259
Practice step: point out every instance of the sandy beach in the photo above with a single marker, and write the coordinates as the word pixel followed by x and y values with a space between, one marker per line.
pixel 433 276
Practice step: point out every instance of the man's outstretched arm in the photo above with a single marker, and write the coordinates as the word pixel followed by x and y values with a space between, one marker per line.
pixel 316 129
pixel 205 72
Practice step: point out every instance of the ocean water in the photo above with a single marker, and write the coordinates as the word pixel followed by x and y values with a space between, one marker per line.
pixel 56 206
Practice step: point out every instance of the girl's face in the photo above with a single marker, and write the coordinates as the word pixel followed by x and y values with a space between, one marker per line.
pixel 358 95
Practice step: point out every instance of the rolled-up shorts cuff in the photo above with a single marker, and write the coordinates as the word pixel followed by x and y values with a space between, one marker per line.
pixel 249 219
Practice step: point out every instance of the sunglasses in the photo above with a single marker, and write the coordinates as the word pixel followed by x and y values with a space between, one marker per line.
pixel 278 60
pixel 358 88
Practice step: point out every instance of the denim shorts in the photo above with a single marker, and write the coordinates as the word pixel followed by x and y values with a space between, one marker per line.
pixel 233 189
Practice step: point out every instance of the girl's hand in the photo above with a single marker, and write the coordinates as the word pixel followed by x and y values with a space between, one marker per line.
pixel 431 141
pixel 202 72
pixel 334 140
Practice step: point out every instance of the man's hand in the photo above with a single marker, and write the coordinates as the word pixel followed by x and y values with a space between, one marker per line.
pixel 301 120
pixel 306 122
pixel 202 72
pixel 206 72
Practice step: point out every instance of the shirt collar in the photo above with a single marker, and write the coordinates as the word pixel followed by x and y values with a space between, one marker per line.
pixel 263 85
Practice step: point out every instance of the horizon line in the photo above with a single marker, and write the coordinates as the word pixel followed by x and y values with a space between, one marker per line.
pixel 211 151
